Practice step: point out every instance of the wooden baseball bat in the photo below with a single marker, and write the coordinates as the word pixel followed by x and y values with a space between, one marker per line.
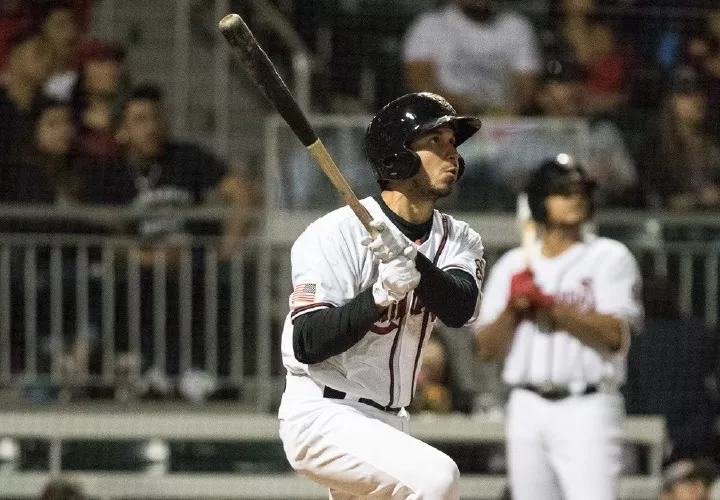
pixel 528 238
pixel 263 73
pixel 527 227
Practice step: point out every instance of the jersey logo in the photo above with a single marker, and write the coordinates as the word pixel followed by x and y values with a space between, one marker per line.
pixel 582 297
pixel 303 294
pixel 480 269
pixel 390 319
pixel 394 315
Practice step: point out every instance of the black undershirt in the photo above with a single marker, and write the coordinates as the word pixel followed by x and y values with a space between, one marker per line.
pixel 450 295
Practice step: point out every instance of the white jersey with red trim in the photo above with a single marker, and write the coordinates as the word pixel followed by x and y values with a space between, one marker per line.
pixel 330 267
pixel 598 274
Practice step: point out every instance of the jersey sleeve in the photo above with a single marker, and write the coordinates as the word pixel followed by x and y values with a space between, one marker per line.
pixel 619 288
pixel 467 254
pixel 322 274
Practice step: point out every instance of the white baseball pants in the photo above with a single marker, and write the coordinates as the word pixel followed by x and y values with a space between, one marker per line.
pixel 358 451
pixel 564 450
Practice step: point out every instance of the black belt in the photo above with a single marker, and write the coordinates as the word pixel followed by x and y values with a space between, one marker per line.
pixel 331 393
pixel 556 392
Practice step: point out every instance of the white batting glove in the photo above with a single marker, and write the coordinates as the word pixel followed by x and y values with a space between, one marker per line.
pixel 396 278
pixel 387 244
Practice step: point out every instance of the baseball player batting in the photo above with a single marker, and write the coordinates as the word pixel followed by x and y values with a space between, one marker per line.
pixel 362 310
pixel 562 326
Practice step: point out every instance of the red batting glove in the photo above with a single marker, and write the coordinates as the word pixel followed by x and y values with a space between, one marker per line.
pixel 525 296
pixel 540 299
pixel 521 283
pixel 521 289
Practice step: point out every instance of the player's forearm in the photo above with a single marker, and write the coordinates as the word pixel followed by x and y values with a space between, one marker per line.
pixel 599 331
pixel 493 341
pixel 450 295
pixel 322 334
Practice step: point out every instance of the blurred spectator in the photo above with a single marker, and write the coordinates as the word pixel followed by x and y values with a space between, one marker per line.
pixel 14 19
pixel 703 54
pixel 521 147
pixel 62 489
pixel 609 162
pixel 682 163
pixel 475 387
pixel 688 480
pixel 155 173
pixel 82 10
pixel 595 45
pixel 47 173
pixel 158 177
pixel 482 59
pixel 671 371
pixel 433 392
pixel 60 31
pixel 28 66
pixel 97 98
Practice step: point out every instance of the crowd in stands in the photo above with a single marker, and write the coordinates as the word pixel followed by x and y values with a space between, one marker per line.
pixel 643 74
pixel 78 128
pixel 646 85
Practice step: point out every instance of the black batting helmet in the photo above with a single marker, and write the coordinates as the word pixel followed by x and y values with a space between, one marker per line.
pixel 403 120
pixel 555 176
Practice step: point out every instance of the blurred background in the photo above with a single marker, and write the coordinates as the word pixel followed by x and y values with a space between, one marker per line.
pixel 149 197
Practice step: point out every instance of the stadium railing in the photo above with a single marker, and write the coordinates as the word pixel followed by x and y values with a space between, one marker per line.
pixel 159 426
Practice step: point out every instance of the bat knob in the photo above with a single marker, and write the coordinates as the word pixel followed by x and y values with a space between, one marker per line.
pixel 229 22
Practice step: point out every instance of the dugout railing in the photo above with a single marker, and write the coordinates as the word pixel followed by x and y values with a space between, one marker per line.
pixel 158 427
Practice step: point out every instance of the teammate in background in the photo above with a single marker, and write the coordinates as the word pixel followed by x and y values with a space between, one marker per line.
pixel 360 317
pixel 560 316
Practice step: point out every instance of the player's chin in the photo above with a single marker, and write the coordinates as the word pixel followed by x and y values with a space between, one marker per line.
pixel 441 190
pixel 572 219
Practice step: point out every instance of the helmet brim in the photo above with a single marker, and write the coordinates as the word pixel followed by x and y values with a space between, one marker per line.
pixel 464 127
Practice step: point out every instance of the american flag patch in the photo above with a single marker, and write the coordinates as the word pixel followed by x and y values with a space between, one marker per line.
pixel 303 294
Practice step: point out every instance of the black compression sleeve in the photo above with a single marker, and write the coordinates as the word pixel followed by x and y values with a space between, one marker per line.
pixel 321 334
pixel 450 295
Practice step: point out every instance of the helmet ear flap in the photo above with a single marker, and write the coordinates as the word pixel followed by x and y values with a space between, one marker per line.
pixel 461 167
pixel 401 165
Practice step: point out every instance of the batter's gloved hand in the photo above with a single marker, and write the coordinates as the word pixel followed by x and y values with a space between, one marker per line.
pixel 396 278
pixel 387 244
pixel 525 296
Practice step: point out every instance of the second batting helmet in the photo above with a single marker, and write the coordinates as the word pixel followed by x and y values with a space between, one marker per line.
pixel 403 120
pixel 555 176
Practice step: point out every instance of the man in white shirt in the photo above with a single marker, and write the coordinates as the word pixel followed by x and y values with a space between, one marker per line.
pixel 484 60
pixel 560 315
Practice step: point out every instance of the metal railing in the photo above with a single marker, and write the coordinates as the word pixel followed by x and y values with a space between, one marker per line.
pixel 158 427
pixel 98 310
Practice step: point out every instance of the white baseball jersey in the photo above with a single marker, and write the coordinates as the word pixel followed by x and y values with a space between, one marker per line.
pixel 330 267
pixel 598 274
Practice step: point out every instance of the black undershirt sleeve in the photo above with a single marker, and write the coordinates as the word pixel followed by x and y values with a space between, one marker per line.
pixel 451 294
pixel 319 335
